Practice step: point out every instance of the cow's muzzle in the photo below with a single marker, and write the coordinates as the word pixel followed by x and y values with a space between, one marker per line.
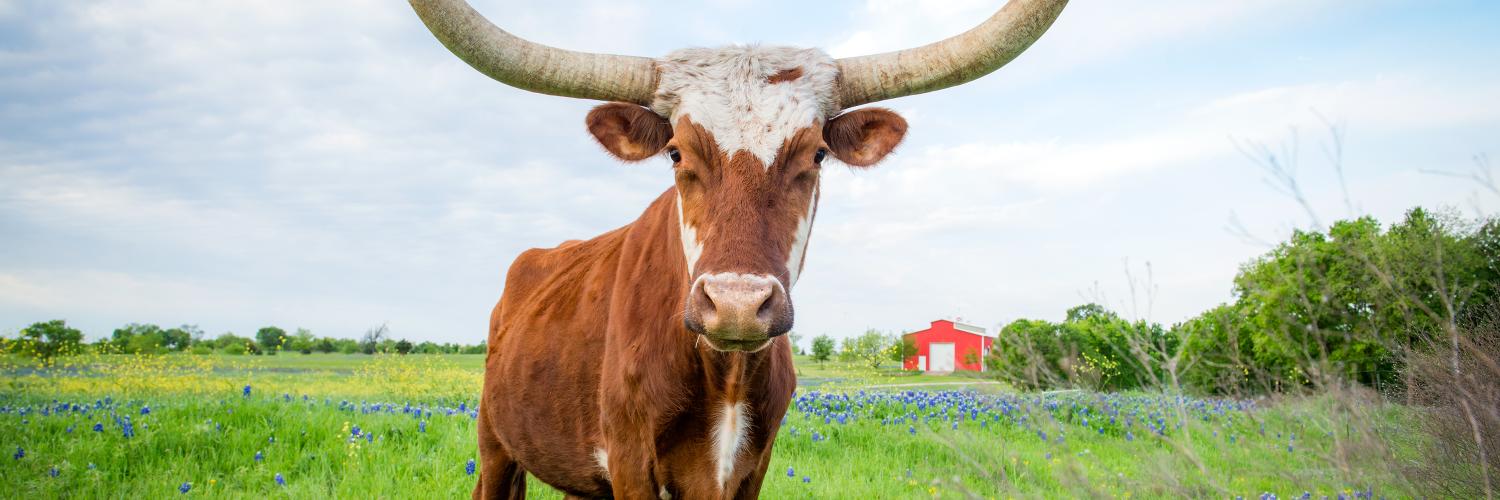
pixel 738 312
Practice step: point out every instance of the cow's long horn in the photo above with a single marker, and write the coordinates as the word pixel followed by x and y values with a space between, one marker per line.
pixel 954 61
pixel 533 66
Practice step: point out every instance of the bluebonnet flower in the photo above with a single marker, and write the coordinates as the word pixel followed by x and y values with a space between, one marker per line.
pixel 280 481
pixel 370 438
pixel 20 453
pixel 790 472
pixel 1129 436
pixel 354 431
pixel 469 467
pixel 422 426
pixel 259 456
pixel 247 393
pixel 185 487
pixel 911 430
pixel 91 466
pixel 806 479
pixel 53 471
pixel 272 440
pixel 70 428
pixel 145 410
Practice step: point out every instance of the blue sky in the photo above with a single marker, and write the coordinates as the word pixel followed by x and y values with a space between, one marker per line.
pixel 328 165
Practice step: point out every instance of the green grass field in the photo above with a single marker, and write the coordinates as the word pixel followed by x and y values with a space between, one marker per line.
pixel 350 426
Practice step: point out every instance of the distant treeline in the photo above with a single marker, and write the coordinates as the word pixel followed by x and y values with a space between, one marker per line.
pixel 55 338
pixel 1352 303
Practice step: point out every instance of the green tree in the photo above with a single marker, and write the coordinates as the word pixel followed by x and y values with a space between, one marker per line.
pixel 303 341
pixel 52 338
pixel 822 348
pixel 902 349
pixel 870 348
pixel 138 338
pixel 147 343
pixel 1031 354
pixel 123 338
pixel 1218 352
pixel 403 346
pixel 847 353
pixel 327 345
pixel 270 339
pixel 480 348
pixel 177 339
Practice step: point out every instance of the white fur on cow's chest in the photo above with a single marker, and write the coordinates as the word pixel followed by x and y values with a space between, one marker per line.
pixel 729 432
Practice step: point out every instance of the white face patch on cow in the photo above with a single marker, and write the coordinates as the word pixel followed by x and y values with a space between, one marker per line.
pixel 728 91
pixel 799 245
pixel 692 248
pixel 729 437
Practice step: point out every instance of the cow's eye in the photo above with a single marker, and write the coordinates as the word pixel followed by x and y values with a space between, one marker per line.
pixel 675 155
pixel 818 156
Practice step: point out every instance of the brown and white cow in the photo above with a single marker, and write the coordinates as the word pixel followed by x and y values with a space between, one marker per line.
pixel 649 361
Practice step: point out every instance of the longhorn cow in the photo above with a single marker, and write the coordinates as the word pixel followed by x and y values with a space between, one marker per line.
pixel 649 361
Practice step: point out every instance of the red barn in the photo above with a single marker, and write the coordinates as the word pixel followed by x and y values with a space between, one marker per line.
pixel 947 346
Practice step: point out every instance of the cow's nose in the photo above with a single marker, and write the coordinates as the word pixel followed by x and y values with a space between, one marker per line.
pixel 738 308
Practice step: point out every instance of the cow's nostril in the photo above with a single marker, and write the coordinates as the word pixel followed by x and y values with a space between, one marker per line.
pixel 707 299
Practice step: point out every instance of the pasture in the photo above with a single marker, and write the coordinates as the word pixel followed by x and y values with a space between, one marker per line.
pixel 355 426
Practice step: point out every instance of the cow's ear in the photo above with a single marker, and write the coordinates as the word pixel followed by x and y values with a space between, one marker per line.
pixel 863 137
pixel 627 131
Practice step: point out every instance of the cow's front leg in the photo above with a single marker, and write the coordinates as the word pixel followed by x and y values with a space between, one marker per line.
pixel 629 448
pixel 632 463
pixel 500 477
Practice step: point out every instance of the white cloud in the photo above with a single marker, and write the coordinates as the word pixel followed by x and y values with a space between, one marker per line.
pixel 1086 31
pixel 329 165
pixel 1383 103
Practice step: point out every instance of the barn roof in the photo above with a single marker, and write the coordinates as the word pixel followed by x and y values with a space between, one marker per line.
pixel 962 327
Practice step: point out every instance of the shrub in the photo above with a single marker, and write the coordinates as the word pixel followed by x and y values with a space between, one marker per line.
pixel 1458 381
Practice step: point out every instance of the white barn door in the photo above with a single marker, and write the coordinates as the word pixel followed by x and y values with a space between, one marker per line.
pixel 940 357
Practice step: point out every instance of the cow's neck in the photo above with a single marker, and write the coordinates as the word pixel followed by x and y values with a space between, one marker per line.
pixel 655 254
pixel 730 389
